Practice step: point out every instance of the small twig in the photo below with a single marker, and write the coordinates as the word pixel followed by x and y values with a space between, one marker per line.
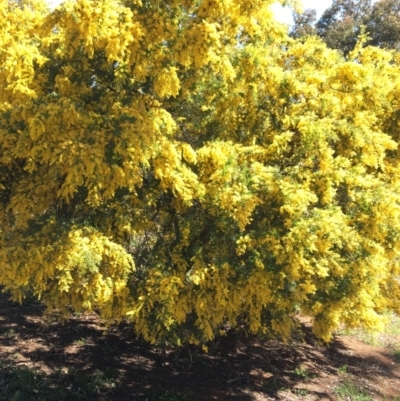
pixel 190 356
pixel 234 380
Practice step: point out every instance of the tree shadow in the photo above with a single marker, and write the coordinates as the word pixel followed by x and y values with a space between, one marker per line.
pixel 81 360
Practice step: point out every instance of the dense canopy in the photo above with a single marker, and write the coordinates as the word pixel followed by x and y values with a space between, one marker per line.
pixel 188 166
pixel 342 23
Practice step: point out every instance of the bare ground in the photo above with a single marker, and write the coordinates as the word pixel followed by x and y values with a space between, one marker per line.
pixel 81 361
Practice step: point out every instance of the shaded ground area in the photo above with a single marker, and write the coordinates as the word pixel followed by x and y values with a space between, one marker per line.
pixel 81 361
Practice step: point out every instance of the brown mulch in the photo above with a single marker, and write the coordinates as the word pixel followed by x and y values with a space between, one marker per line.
pixel 235 368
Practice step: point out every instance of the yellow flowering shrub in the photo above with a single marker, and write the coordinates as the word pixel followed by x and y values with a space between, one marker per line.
pixel 189 167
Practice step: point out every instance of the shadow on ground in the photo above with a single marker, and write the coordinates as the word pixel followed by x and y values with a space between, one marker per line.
pixel 79 360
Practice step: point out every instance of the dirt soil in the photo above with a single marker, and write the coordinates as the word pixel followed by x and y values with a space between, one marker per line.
pixel 80 360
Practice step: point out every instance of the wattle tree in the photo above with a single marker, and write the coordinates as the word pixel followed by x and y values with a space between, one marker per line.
pixel 188 166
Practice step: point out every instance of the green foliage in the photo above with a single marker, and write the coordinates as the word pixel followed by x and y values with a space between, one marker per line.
pixel 303 373
pixel 300 392
pixel 24 384
pixel 80 342
pixel 273 385
pixel 349 391
pixel 345 20
pixel 396 355
pixel 304 23
pixel 383 24
pixel 341 24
